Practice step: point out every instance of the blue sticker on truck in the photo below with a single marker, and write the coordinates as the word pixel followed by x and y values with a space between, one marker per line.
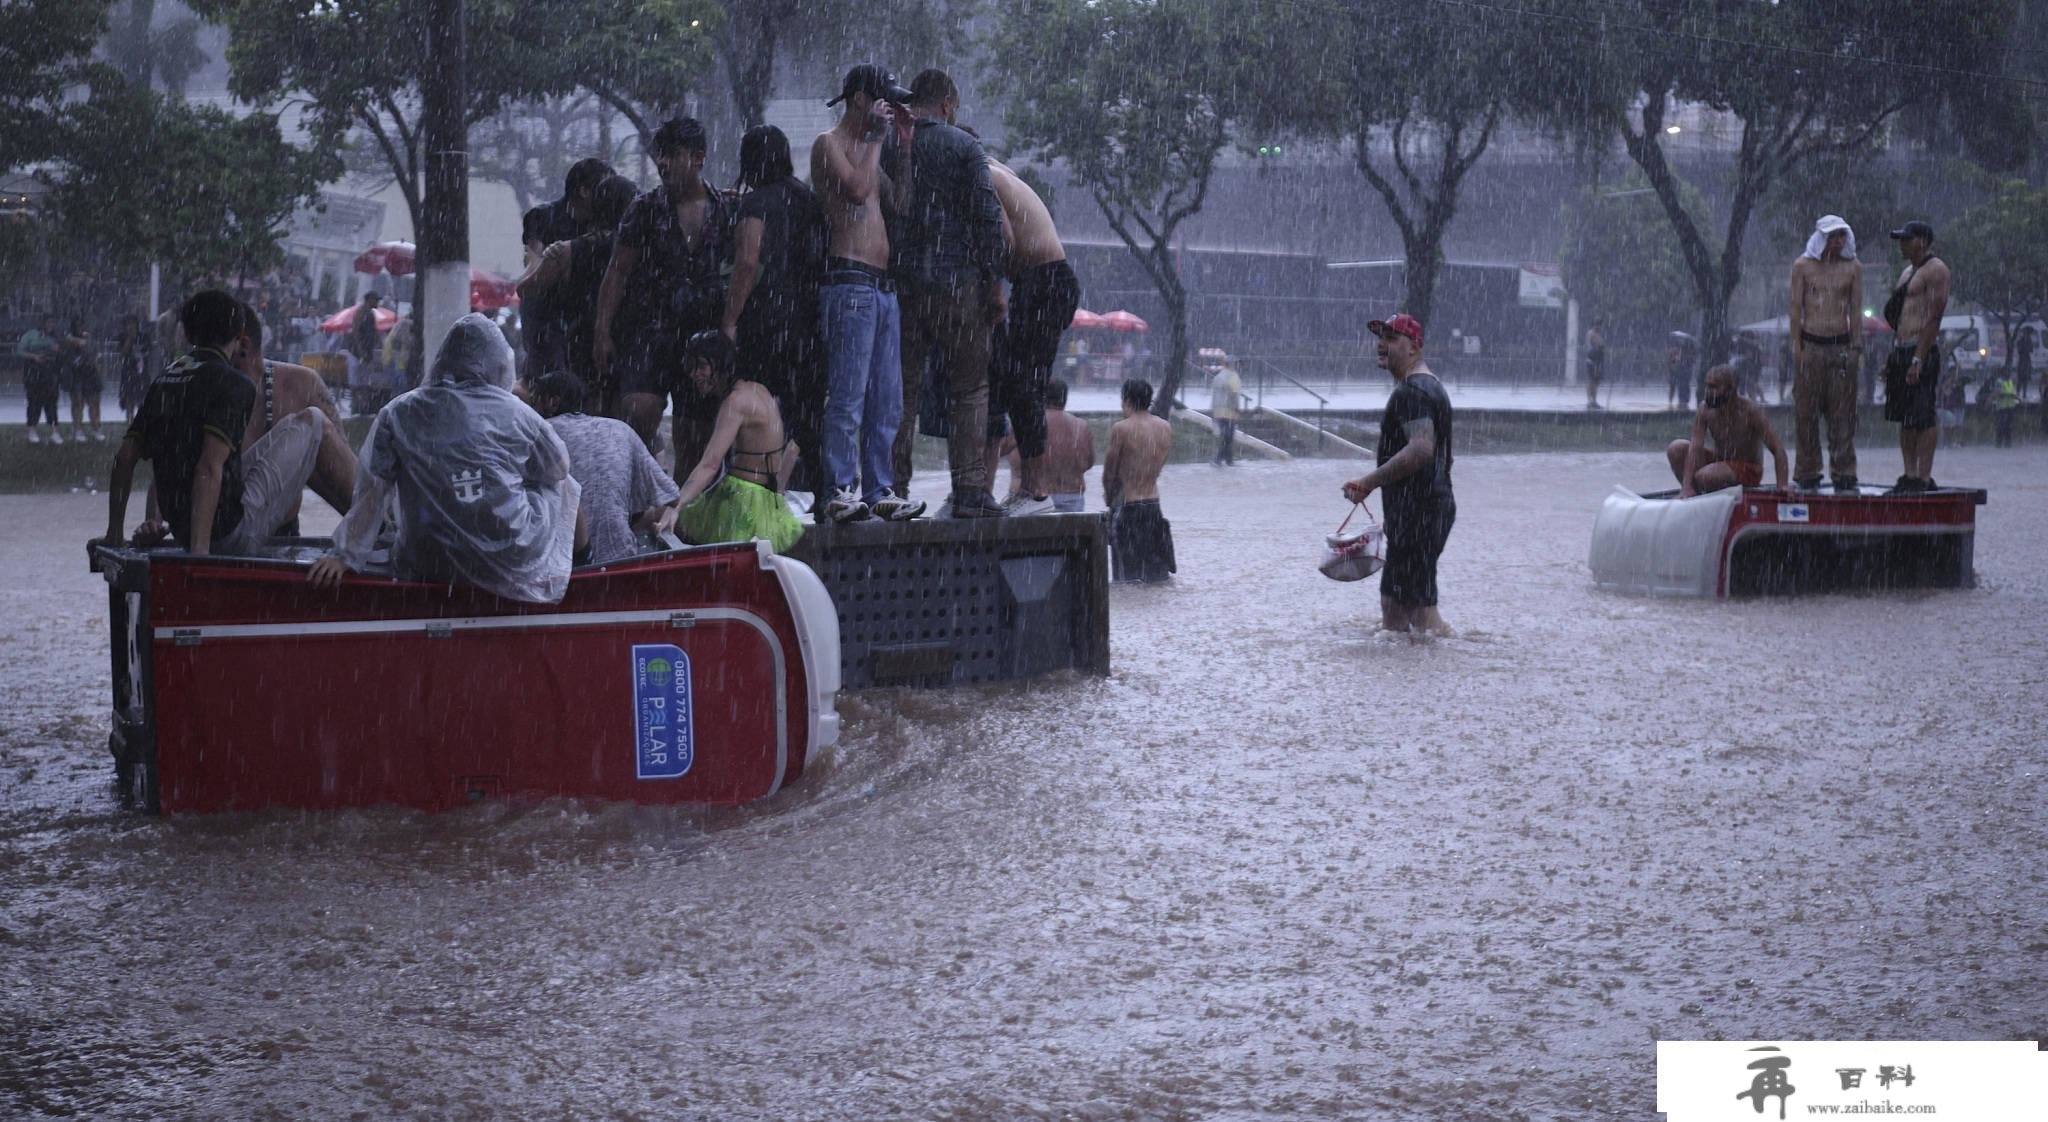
pixel 664 741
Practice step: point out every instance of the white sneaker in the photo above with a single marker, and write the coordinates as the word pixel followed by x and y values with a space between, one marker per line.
pixel 34 437
pixel 1024 503
pixel 846 506
pixel 100 435
pixel 56 436
pixel 892 509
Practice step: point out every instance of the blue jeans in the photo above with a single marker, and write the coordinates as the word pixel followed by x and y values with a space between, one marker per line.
pixel 863 329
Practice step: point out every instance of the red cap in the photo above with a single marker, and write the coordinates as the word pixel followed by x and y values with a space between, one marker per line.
pixel 1401 324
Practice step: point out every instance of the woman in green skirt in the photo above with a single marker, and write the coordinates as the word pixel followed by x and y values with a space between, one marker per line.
pixel 735 493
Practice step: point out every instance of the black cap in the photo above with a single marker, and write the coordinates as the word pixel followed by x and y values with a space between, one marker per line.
pixel 873 81
pixel 1914 229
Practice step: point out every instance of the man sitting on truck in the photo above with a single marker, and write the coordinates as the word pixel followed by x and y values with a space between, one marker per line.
pixel 478 484
pixel 215 493
pixel 1740 432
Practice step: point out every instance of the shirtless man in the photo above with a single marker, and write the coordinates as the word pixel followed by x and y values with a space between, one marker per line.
pixel 861 320
pixel 1913 372
pixel 1069 454
pixel 282 389
pixel 1827 351
pixel 1740 432
pixel 1141 541
pixel 1043 296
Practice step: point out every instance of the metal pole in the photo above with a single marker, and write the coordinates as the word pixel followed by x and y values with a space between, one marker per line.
pixel 443 292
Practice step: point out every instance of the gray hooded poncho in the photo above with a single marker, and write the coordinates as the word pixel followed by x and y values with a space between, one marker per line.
pixel 476 481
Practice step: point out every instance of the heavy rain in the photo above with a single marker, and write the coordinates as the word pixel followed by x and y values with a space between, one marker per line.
pixel 1022 559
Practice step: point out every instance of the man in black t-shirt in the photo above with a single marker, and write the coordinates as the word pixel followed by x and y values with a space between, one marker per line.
pixel 665 282
pixel 771 308
pixel 1414 477
pixel 190 429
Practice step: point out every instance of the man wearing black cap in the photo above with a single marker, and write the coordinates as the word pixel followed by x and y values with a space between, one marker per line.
pixel 949 259
pixel 860 319
pixel 1414 474
pixel 1913 373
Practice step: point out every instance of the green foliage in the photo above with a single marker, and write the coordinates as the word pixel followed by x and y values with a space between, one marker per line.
pixel 358 63
pixel 143 177
pixel 44 46
pixel 1620 261
pixel 1998 254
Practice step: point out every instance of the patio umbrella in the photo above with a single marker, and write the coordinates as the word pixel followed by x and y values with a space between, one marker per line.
pixel 1085 318
pixel 396 258
pixel 1121 320
pixel 346 318
pixel 488 291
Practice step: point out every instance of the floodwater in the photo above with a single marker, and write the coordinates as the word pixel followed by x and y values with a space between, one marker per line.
pixel 1272 867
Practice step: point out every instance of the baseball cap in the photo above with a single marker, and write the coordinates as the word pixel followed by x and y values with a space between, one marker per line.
pixel 1401 324
pixel 1914 229
pixel 873 81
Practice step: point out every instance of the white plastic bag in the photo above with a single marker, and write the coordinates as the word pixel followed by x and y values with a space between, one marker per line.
pixel 1355 555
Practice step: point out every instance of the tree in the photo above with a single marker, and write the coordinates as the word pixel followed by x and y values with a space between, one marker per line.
pixel 1619 260
pixel 1798 79
pixel 1418 98
pixel 146 54
pixel 144 177
pixel 1137 99
pixel 44 46
pixel 358 64
pixel 1998 250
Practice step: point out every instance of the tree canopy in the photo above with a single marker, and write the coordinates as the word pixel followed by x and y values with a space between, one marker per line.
pixel 1998 251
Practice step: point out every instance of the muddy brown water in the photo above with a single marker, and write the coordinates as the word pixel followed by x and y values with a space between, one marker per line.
pixel 1273 867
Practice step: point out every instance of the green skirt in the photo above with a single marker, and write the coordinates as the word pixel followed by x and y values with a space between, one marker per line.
pixel 735 510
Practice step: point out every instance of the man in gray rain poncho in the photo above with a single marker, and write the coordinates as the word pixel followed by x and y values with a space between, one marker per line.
pixel 477 483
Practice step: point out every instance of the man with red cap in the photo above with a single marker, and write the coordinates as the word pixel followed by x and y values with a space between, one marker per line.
pixel 1414 476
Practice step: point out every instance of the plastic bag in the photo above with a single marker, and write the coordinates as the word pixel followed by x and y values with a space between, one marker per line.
pixel 1356 555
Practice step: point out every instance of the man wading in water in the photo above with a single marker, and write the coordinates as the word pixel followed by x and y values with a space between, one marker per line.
pixel 1415 472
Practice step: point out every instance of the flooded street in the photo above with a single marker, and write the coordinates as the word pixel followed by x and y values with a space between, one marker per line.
pixel 1273 867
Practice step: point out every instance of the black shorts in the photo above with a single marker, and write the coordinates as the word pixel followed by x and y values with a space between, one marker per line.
pixel 1042 304
pixel 1409 578
pixel 1911 406
pixel 648 358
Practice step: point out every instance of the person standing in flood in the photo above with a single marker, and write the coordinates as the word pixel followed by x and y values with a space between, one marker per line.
pixel 1414 472
pixel 1596 364
pixel 1827 352
pixel 1912 375
pixel 1141 539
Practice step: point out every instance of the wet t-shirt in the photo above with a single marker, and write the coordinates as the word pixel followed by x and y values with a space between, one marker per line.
pixel 1426 494
pixel 793 241
pixel 619 480
pixel 675 284
pixel 197 396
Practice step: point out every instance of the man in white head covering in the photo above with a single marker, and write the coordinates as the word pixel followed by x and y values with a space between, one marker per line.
pixel 1827 351
pixel 476 482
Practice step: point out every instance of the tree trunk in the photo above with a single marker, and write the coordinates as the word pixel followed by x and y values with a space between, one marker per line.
pixel 1176 353
pixel 1425 263
pixel 443 236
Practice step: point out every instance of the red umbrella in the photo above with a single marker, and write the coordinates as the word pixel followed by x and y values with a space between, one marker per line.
pixel 1121 320
pixel 396 258
pixel 346 318
pixel 488 291
pixel 1085 318
pixel 1873 323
